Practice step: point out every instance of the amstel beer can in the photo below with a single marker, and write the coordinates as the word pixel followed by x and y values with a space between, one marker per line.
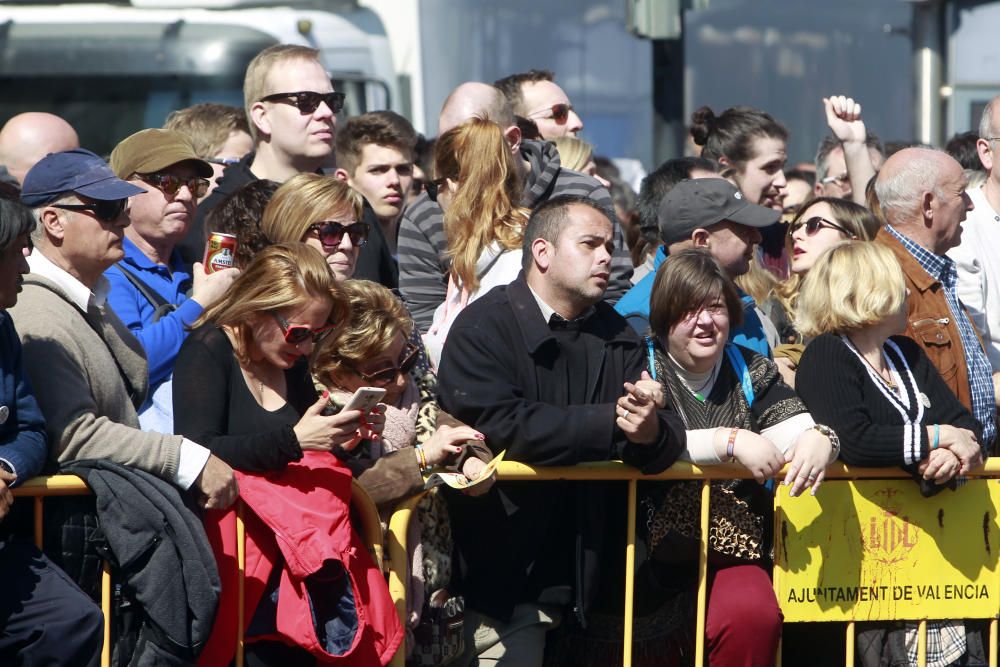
pixel 220 252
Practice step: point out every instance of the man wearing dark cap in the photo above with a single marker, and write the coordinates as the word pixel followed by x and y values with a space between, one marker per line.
pixel 88 371
pixel 149 286
pixel 709 213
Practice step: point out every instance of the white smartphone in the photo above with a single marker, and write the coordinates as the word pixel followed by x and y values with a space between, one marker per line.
pixel 364 399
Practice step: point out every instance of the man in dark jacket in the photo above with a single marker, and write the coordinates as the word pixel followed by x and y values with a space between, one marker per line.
pixel 292 109
pixel 543 368
pixel 423 264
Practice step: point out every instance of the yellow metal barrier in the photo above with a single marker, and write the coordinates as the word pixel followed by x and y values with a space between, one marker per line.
pixel 618 471
pixel 362 507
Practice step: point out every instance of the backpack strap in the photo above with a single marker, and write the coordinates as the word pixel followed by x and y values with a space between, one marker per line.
pixel 161 306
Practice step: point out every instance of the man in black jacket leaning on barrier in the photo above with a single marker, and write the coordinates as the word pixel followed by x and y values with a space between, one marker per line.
pixel 543 368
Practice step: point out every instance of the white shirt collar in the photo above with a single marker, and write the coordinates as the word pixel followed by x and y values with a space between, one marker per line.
pixel 77 292
pixel 547 310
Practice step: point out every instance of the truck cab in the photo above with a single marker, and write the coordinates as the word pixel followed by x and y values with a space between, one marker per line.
pixel 113 69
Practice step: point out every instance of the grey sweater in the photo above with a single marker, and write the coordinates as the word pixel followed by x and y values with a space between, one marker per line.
pixel 80 387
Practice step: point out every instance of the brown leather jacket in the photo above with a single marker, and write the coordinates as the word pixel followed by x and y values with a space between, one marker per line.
pixel 931 323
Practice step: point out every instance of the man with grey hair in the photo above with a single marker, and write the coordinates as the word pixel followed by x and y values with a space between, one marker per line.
pixel 423 261
pixel 922 194
pixel 978 256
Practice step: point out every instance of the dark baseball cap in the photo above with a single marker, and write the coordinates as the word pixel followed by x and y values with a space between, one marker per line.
pixel 78 171
pixel 149 151
pixel 702 202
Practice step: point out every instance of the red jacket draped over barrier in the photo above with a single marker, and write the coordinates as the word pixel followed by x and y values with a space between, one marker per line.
pixel 299 520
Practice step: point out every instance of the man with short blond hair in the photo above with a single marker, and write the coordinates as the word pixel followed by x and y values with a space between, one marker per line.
pixel 292 110
pixel 219 134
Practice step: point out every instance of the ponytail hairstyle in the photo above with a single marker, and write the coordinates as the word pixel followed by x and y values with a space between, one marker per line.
pixel 732 135
pixel 485 207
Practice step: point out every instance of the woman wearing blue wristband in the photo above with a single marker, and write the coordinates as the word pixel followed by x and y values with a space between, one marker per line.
pixel 878 390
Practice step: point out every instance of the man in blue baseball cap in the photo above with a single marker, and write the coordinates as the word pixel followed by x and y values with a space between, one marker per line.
pixel 88 370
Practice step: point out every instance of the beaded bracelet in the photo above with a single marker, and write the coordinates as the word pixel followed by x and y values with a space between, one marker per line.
pixel 731 444
pixel 937 436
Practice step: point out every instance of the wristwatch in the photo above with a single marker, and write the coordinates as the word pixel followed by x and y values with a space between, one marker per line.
pixel 830 433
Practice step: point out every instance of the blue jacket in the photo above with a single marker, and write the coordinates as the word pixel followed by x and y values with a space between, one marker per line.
pixel 162 340
pixel 634 307
pixel 22 427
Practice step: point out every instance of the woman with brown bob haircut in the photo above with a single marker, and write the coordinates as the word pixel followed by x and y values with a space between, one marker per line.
pixel 735 408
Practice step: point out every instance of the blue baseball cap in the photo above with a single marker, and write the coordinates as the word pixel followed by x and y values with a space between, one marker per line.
pixel 78 171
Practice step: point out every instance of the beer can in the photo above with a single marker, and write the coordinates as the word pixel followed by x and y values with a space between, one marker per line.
pixel 220 253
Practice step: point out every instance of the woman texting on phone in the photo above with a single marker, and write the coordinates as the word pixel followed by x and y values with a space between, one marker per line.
pixel 242 384
pixel 371 348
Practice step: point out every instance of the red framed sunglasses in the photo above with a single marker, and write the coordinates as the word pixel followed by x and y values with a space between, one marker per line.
pixel 296 334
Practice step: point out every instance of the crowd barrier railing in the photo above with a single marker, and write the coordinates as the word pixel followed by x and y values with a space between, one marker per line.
pixel 363 511
pixel 618 471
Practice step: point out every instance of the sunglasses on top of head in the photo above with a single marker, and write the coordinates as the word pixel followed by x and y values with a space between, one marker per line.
pixel 816 223
pixel 170 184
pixel 386 375
pixel 105 211
pixel 307 101
pixel 331 232
pixel 296 334
pixel 559 112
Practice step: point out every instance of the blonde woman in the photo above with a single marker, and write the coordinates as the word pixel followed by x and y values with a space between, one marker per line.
pixel 241 384
pixel 325 213
pixel 478 187
pixel 321 212
pixel 578 155
pixel 875 387
pixel 886 401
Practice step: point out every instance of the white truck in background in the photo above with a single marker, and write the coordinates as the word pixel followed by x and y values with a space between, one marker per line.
pixel 111 69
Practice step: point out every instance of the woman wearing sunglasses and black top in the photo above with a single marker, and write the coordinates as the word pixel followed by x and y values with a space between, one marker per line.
pixel 241 386
pixel 326 213
pixel 819 224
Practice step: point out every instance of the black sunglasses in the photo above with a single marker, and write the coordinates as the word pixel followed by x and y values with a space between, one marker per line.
pixel 816 223
pixel 296 334
pixel 170 184
pixel 105 211
pixel 308 101
pixel 331 232
pixel 432 188
pixel 560 112
pixel 387 375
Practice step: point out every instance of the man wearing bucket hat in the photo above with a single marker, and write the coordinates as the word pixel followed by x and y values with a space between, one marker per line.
pixel 709 213
pixel 88 371
pixel 150 285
